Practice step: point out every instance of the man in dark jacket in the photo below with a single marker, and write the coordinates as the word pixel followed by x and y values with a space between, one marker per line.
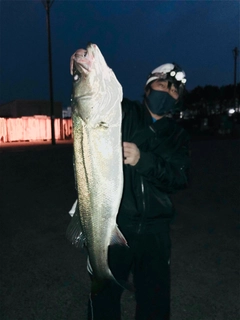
pixel 156 163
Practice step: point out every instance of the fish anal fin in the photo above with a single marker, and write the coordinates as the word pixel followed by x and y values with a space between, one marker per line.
pixel 118 238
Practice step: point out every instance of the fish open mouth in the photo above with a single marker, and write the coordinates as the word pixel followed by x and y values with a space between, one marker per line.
pixel 82 60
pixel 80 68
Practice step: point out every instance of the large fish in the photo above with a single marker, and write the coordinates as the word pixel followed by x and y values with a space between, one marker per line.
pixel 96 114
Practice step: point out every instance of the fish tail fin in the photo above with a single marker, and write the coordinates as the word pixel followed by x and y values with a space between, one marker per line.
pixel 126 285
pixel 98 286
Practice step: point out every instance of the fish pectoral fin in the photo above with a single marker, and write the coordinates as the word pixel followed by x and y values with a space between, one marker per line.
pixel 118 238
pixel 103 125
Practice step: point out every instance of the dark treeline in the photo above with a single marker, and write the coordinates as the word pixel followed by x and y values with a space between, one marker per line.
pixel 214 110
pixel 212 96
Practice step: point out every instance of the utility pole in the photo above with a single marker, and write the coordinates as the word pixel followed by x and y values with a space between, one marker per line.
pixel 235 55
pixel 47 5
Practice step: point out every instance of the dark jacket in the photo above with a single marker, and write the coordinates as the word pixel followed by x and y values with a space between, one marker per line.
pixel 161 170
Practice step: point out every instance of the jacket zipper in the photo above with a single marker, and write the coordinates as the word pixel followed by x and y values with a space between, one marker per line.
pixel 144 206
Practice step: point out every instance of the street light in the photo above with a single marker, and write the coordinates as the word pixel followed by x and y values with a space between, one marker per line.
pixel 47 5
pixel 235 54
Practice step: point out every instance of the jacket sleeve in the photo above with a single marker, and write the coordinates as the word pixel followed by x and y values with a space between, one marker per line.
pixel 167 168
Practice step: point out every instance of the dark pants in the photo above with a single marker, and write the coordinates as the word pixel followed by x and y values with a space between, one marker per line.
pixel 148 259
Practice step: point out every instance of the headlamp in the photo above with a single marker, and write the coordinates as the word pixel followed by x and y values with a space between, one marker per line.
pixel 178 75
pixel 166 72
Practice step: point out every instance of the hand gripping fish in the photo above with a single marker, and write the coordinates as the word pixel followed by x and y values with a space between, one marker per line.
pixel 96 114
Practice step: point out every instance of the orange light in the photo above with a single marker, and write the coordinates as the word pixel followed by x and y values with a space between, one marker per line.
pixel 34 128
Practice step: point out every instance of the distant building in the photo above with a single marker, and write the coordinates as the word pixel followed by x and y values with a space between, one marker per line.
pixel 67 113
pixel 26 108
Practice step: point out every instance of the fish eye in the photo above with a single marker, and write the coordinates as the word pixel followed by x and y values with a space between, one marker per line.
pixel 76 77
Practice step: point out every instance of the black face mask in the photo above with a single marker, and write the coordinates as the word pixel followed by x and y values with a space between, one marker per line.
pixel 160 102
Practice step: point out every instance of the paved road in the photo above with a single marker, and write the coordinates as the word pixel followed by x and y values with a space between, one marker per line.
pixel 44 278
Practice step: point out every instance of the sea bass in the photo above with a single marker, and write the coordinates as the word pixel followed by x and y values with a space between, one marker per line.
pixel 96 114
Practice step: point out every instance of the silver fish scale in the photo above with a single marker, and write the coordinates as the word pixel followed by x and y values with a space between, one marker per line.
pixel 99 190
pixel 98 159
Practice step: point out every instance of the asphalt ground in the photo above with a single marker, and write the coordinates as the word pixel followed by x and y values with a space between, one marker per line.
pixel 43 277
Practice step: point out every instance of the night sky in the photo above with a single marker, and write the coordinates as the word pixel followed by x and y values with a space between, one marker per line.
pixel 134 37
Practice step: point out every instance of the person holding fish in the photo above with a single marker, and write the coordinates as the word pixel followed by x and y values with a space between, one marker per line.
pixel 154 164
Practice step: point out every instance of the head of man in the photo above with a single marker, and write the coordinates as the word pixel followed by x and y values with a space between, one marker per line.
pixel 164 90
